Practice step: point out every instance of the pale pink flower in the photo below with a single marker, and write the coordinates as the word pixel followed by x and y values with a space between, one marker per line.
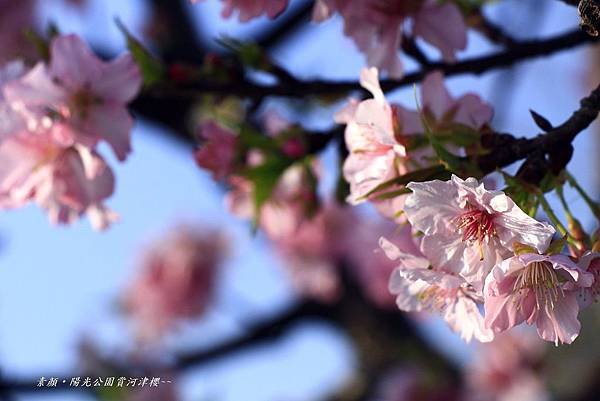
pixel 377 26
pixel 78 97
pixel 250 9
pixel 374 151
pixel 420 287
pixel 175 281
pixel 370 264
pixel 66 182
pixel 536 289
pixel 437 102
pixel 217 152
pixel 505 369
pixel 590 262
pixel 469 229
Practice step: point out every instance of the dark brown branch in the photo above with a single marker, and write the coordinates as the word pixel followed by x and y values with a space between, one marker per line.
pixel 525 50
pixel 505 149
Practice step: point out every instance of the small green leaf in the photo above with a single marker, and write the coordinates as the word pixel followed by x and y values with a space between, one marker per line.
pixel 153 71
pixel 520 249
pixel 425 174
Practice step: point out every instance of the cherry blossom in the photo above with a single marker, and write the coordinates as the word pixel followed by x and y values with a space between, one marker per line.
pixel 175 281
pixel 218 150
pixel 377 132
pixel 469 229
pixel 78 97
pixel 250 9
pixel 536 289
pixel 375 152
pixel 420 287
pixel 66 182
pixel 377 27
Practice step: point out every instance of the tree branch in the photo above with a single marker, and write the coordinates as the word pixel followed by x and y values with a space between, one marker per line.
pixel 525 50
pixel 505 149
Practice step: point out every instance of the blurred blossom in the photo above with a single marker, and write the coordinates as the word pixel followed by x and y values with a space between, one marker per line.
pixel 217 151
pixel 66 182
pixel 409 383
pixel 53 116
pixel 368 261
pixel 16 17
pixel 377 27
pixel 250 9
pixel 175 281
pixel 314 252
pixel 280 216
pixel 506 369
pixel 78 98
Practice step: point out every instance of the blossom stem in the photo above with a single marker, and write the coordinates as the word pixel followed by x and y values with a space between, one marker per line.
pixel 555 220
pixel 588 200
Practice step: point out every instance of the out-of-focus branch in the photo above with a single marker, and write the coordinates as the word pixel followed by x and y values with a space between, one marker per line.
pixel 286 25
pixel 180 41
pixel 525 50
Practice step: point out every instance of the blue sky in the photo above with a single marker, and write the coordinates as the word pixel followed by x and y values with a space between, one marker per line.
pixel 57 284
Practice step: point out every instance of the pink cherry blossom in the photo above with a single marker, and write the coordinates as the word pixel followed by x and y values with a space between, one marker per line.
pixel 420 287
pixel 590 262
pixel 375 153
pixel 217 151
pixel 377 27
pixel 536 289
pixel 469 229
pixel 377 131
pixel 78 97
pixel 66 182
pixel 437 101
pixel 250 9
pixel 175 281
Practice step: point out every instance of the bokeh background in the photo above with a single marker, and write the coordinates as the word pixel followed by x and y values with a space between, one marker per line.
pixel 59 286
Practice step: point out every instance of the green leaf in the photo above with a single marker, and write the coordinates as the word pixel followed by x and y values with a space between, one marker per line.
pixel 520 249
pixel 254 139
pixel 264 178
pixel 425 174
pixel 153 71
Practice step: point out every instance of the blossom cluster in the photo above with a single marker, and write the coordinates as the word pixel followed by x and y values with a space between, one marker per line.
pixel 175 281
pixel 377 27
pixel 54 115
pixel 475 245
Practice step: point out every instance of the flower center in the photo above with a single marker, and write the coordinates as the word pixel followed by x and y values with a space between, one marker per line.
pixel 476 226
pixel 542 279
